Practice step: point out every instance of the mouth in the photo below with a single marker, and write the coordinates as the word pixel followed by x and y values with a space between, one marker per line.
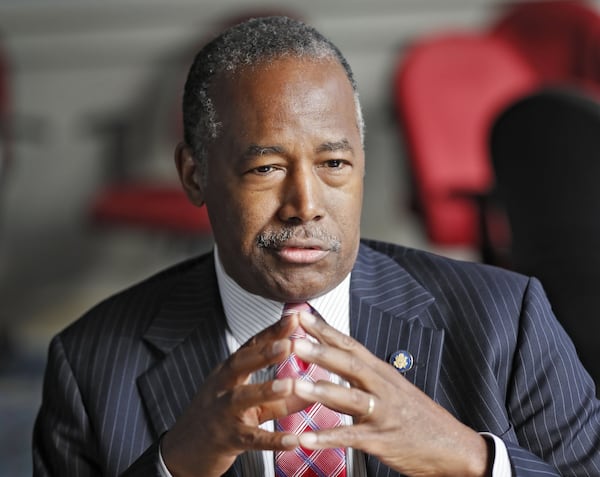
pixel 302 252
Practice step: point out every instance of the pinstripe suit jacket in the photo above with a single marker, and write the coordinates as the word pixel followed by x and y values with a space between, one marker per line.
pixel 485 343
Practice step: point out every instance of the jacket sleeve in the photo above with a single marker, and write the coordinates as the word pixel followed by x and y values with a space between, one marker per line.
pixel 147 465
pixel 551 401
pixel 63 440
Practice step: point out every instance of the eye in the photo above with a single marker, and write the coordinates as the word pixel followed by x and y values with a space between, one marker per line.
pixel 262 170
pixel 334 163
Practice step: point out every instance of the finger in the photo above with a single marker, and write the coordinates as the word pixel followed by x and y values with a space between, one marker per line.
pixel 352 401
pixel 343 436
pixel 266 401
pixel 268 347
pixel 255 438
pixel 326 334
pixel 344 363
pixel 282 328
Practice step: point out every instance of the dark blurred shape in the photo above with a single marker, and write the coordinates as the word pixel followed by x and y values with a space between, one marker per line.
pixel 447 90
pixel 5 119
pixel 5 159
pixel 559 38
pixel 546 155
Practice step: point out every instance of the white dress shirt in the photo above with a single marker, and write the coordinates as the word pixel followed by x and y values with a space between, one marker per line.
pixel 248 314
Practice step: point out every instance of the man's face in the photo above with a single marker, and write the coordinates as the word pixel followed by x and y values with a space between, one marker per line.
pixel 285 178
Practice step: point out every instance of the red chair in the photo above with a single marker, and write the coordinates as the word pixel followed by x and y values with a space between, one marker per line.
pixel 559 38
pixel 447 91
pixel 132 201
pixel 161 208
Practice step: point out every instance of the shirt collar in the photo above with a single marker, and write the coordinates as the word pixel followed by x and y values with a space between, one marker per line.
pixel 247 314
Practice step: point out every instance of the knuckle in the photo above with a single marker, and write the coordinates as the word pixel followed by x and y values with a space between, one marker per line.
pixel 245 440
pixel 347 342
pixel 228 364
pixel 356 396
pixel 327 332
pixel 233 397
pixel 265 352
pixel 213 377
pixel 251 342
pixel 318 350
pixel 355 364
pixel 224 398
pixel 351 435
pixel 322 388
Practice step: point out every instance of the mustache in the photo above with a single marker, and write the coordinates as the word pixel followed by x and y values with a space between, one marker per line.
pixel 278 238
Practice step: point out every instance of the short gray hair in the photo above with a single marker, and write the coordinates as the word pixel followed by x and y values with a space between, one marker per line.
pixel 249 43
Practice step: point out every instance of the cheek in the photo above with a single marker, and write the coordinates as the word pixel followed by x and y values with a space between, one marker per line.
pixel 252 216
pixel 347 209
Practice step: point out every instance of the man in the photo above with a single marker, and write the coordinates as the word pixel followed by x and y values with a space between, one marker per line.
pixel 439 367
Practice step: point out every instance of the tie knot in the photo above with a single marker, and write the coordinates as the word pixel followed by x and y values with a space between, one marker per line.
pixel 296 307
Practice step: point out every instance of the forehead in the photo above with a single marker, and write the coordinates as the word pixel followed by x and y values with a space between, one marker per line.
pixel 280 63
pixel 286 90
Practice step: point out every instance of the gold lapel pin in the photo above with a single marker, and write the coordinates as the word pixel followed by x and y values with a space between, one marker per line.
pixel 402 360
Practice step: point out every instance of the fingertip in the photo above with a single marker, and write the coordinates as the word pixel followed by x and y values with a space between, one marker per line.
pixel 304 388
pixel 308 440
pixel 280 346
pixel 303 347
pixel 307 318
pixel 282 386
pixel 287 325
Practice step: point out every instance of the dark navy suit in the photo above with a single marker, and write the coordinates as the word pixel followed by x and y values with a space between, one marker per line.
pixel 485 343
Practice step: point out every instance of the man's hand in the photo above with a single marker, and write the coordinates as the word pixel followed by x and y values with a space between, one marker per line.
pixel 223 418
pixel 394 420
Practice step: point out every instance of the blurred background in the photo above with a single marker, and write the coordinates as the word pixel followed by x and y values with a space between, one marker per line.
pixel 89 117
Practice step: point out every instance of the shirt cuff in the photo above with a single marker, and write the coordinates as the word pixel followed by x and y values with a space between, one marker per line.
pixel 501 466
pixel 162 468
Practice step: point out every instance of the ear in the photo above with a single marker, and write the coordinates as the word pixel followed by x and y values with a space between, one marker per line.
pixel 189 174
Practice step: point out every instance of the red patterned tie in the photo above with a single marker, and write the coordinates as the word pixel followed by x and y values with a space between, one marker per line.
pixel 302 462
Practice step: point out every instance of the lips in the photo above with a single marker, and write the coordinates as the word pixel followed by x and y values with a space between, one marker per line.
pixel 302 251
pixel 301 255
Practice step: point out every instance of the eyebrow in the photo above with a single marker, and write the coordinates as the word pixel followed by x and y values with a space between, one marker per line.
pixel 256 150
pixel 343 145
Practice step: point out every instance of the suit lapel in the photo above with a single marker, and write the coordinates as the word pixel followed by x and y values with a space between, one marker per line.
pixel 189 332
pixel 388 313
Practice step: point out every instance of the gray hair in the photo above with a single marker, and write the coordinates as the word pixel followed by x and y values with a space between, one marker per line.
pixel 251 42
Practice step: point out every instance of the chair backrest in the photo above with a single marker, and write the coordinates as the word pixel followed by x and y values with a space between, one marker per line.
pixel 546 155
pixel 447 89
pixel 545 150
pixel 560 38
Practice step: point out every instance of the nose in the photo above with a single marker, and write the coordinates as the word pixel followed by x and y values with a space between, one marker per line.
pixel 302 199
